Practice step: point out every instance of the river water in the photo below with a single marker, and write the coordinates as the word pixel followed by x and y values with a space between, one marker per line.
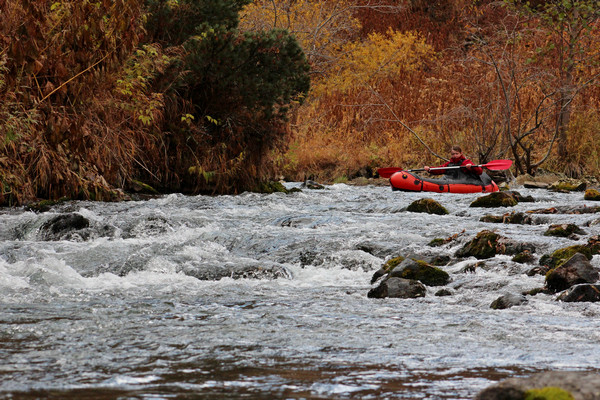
pixel 117 310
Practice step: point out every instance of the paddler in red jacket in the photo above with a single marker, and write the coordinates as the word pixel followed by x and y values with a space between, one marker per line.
pixel 457 159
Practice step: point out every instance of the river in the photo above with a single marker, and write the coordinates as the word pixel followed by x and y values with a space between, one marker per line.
pixel 117 310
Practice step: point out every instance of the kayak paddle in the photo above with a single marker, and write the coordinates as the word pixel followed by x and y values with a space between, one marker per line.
pixel 495 165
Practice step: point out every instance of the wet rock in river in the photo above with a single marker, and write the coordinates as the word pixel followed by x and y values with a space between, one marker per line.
pixel 386 268
pixel 508 300
pixel 217 272
pixel 421 271
pixel 555 385
pixel 428 206
pixel 65 227
pixel 568 185
pixel 592 195
pixel 409 268
pixel 398 288
pixel 539 270
pixel 487 244
pixel 509 218
pixel 561 255
pixel 564 230
pixel 496 199
pixel 566 210
pixel 575 270
pixel 581 293
pixel 524 257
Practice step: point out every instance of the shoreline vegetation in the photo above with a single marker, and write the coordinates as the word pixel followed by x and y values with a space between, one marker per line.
pixel 100 99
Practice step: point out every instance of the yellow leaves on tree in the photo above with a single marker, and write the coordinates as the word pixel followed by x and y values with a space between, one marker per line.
pixel 381 56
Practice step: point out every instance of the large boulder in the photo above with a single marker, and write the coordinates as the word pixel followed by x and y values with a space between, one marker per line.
pixel 488 243
pixel 421 271
pixel 412 268
pixel 564 230
pixel 581 293
pixel 550 385
pixel 496 199
pixel 575 270
pixel 428 206
pixel 561 255
pixel 398 288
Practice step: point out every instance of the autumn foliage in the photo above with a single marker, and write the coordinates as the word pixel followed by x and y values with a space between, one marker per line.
pixel 98 95
pixel 213 96
pixel 406 80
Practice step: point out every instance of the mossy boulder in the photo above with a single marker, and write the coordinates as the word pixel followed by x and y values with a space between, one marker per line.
pixel 568 185
pixel 428 206
pixel 564 230
pixel 412 269
pixel 271 187
pixel 482 246
pixel 421 271
pixel 592 195
pixel 387 267
pixel 563 254
pixel 496 199
pixel 488 243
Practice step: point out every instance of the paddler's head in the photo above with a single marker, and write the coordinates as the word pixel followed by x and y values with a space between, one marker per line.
pixel 455 153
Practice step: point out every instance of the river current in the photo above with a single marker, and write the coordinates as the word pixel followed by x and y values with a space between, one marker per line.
pixel 120 312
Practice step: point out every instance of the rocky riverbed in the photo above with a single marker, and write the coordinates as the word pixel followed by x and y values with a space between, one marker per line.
pixel 332 293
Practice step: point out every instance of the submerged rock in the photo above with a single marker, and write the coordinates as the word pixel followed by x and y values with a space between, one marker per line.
pixel 575 270
pixel 428 206
pixel 217 272
pixel 65 227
